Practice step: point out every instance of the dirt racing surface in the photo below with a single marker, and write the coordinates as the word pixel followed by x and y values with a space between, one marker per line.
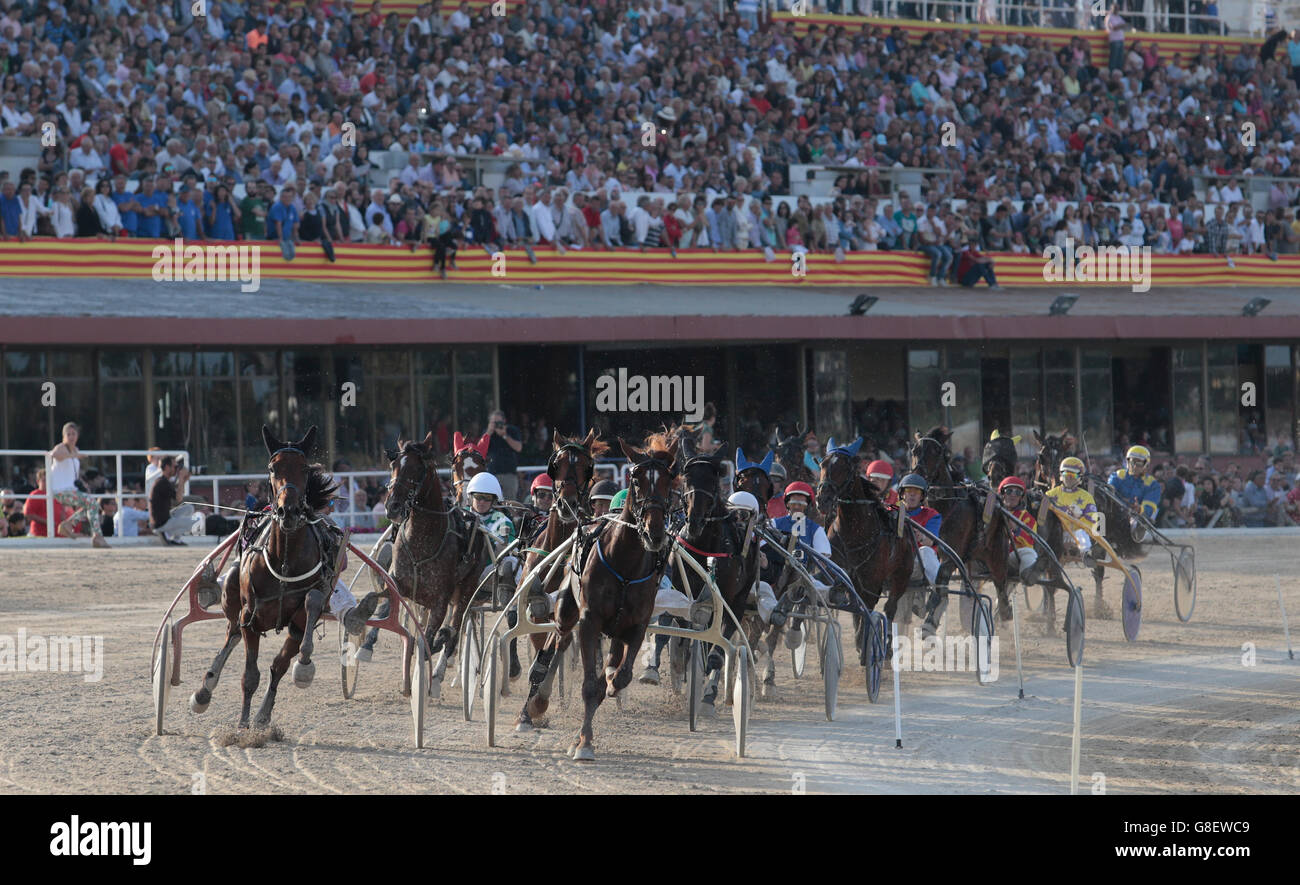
pixel 1209 706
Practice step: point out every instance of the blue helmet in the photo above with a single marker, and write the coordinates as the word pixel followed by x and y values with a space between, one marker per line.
pixel 914 481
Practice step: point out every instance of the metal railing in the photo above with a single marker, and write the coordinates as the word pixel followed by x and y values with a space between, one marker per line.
pixel 51 527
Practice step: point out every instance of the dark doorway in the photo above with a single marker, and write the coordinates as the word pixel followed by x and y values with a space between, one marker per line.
pixel 995 395
pixel 1140 378
pixel 539 388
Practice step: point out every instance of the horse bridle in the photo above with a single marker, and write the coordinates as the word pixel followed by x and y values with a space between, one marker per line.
pixel 561 504
pixel 945 471
pixel 841 490
pixel 636 506
pixel 406 491
pixel 688 497
pixel 303 507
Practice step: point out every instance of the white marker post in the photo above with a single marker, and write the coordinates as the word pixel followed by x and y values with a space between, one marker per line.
pixel 898 701
pixel 1285 628
pixel 1015 632
pixel 1074 746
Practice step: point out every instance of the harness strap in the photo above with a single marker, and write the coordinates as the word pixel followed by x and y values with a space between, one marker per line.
pixel 622 580
pixel 691 547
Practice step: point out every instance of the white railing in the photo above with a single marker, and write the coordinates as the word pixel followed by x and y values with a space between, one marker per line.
pixel 51 527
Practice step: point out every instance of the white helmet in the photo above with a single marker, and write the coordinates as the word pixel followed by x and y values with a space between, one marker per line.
pixel 484 484
pixel 743 501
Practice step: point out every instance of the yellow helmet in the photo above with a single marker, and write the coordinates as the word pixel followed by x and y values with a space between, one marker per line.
pixel 1140 452
pixel 1072 465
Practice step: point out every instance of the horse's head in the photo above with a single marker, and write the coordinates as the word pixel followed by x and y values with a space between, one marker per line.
pixel 999 458
pixel 290 471
pixel 789 451
pixel 757 483
pixel 702 475
pixel 840 478
pixel 650 488
pixel 929 455
pixel 688 439
pixel 412 466
pixel 468 459
pixel 1051 451
pixel 572 468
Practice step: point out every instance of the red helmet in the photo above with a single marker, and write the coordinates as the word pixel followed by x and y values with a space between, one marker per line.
pixel 881 469
pixel 541 481
pixel 798 488
pixel 1014 482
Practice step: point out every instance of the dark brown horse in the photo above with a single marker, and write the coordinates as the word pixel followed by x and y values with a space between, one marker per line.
pixel 789 453
pixel 615 589
pixel 963 528
pixel 437 554
pixel 572 468
pixel 284 578
pixel 999 458
pixel 864 534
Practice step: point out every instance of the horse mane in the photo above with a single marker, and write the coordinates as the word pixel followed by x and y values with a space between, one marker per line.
pixel 939 434
pixel 657 445
pixel 320 487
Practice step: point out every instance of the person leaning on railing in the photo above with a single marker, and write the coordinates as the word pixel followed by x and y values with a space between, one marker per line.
pixel 65 460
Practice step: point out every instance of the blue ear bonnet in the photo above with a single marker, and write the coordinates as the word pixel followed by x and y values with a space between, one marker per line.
pixel 851 449
pixel 743 463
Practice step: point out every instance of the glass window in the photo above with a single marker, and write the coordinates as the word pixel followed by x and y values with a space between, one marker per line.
pixel 173 363
pixel 173 413
pixel 1224 400
pixel 433 408
pixel 1026 399
pixel 923 380
pixel 474 397
pixel 257 363
pixel 305 403
pixel 396 362
pixel 1278 396
pixel 259 403
pixel 75 401
pixel 963 417
pixel 24 364
pixel 1189 433
pixel 831 395
pixel 217 434
pixel 124 413
pixel 1096 396
pixel 216 364
pixel 28 422
pixel 433 362
pixel 120 364
pixel 474 362
pixel 71 363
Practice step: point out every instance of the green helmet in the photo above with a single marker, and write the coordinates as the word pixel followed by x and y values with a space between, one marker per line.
pixel 619 500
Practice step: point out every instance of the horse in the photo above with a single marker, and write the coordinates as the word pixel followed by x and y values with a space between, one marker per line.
pixel 572 468
pixel 789 454
pixel 755 480
pixel 863 534
pixel 259 596
pixel 963 528
pixel 999 458
pixel 468 459
pixel 612 586
pixel 437 554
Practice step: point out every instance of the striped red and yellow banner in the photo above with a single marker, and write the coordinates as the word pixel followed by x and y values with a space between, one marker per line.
pixel 378 265
pixel 1187 44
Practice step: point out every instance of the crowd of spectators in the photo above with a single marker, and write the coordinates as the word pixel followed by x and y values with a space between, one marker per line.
pixel 637 124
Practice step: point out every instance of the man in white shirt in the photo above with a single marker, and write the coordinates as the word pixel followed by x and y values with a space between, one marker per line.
pixel 542 220
pixel 639 217
pixel 460 20
pixel 377 215
pixel 85 157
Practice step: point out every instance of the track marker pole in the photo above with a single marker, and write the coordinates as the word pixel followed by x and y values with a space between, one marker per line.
pixel 1286 629
pixel 1074 744
pixel 1015 632
pixel 898 701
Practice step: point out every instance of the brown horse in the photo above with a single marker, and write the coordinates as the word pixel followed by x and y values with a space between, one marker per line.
pixel 963 528
pixel 437 554
pixel 284 578
pixel 864 534
pixel 615 589
pixel 789 454
pixel 999 458
pixel 572 468
pixel 758 483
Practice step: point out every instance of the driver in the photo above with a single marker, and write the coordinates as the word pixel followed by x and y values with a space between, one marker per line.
pixel 601 495
pixel 744 506
pixel 1024 557
pixel 1137 489
pixel 1076 501
pixel 880 474
pixel 912 489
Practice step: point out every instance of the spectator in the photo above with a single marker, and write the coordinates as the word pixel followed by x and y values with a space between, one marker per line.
pixel 504 445
pixel 64 473
pixel 168 517
pixel 132 520
pixel 312 226
pixel 974 266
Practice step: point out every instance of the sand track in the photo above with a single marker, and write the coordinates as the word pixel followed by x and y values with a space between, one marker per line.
pixel 1176 711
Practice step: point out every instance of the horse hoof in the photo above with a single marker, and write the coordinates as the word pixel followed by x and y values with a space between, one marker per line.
pixel 364 655
pixel 303 674
pixel 650 676
pixel 584 754
pixel 195 706
pixel 521 726
pixel 435 689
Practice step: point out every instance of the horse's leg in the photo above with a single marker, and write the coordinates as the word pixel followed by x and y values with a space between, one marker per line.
pixel 593 689
pixel 623 675
pixel 540 680
pixel 200 699
pixel 278 667
pixel 251 675
pixel 304 671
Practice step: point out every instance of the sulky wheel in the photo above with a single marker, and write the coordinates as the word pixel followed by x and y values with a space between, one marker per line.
pixel 982 631
pixel 832 661
pixel 875 641
pixel 742 698
pixel 471 650
pixel 420 692
pixel 348 661
pixel 799 654
pixel 1132 603
pixel 491 693
pixel 695 683
pixel 1185 584
pixel 162 677
pixel 1074 627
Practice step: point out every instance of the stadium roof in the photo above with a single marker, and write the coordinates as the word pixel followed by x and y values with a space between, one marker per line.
pixel 289 312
